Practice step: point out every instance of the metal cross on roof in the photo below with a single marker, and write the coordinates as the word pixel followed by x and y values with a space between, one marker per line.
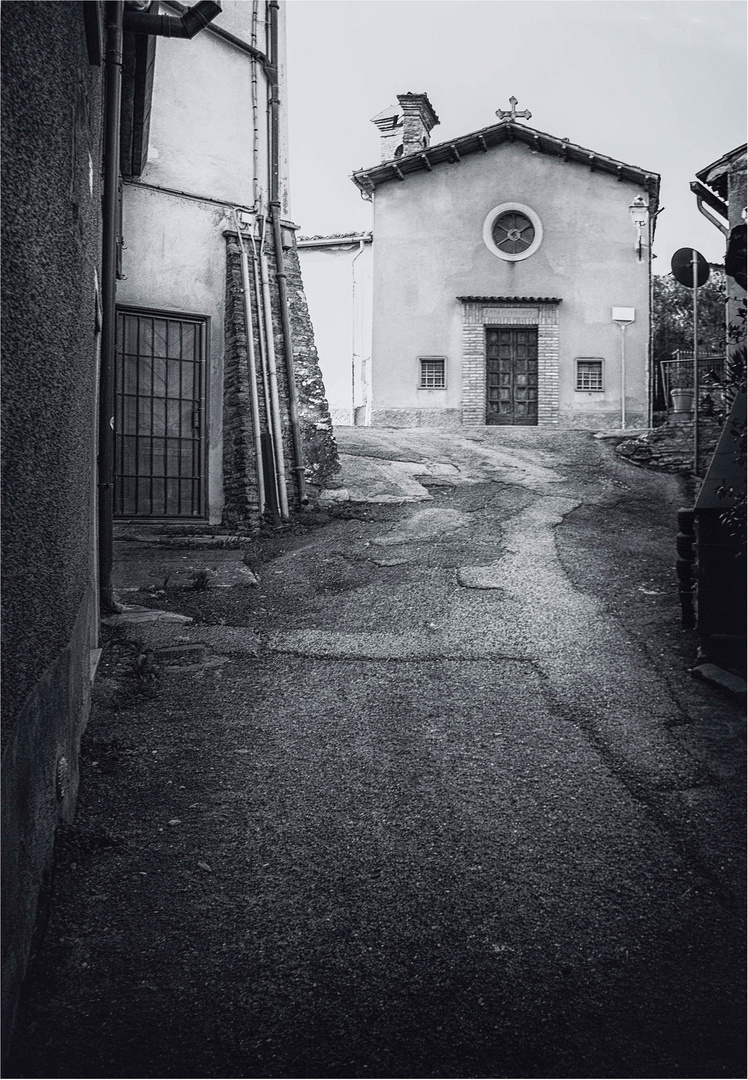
pixel 512 114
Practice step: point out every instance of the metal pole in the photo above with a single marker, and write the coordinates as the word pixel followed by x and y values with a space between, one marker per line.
pixel 113 76
pixel 695 269
pixel 623 376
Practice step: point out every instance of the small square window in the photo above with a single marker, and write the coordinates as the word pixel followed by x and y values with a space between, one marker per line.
pixel 433 373
pixel 589 375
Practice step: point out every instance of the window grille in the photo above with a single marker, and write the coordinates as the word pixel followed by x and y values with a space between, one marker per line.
pixel 159 417
pixel 589 375
pixel 433 373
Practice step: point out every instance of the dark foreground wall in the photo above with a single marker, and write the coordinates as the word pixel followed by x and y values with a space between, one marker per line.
pixel 51 117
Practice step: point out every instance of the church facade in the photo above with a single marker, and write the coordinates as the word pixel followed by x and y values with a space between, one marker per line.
pixel 509 286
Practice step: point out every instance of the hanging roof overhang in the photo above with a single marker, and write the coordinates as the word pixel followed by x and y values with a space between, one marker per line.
pixel 367 180
pixel 510 299
pixel 334 240
pixel 715 176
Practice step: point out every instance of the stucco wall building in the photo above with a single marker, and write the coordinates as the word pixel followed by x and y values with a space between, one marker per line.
pixel 190 453
pixel 508 283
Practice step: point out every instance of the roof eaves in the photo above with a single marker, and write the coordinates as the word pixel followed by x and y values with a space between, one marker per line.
pixel 509 299
pixel 334 240
pixel 701 191
pixel 721 163
pixel 540 142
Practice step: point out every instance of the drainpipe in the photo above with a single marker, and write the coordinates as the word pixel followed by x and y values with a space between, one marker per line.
pixel 187 25
pixel 271 479
pixel 354 327
pixel 280 273
pixel 113 84
pixel 710 217
pixel 275 417
pixel 252 370
pixel 117 21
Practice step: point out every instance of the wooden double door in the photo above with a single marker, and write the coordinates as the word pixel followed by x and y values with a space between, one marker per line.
pixel 512 375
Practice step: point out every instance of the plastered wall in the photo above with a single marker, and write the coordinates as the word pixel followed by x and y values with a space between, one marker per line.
pixel 430 250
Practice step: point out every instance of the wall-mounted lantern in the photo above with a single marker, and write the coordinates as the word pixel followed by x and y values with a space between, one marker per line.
pixel 640 217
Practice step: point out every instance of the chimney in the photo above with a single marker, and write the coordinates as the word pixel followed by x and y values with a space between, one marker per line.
pixel 418 120
pixel 390 124
pixel 405 128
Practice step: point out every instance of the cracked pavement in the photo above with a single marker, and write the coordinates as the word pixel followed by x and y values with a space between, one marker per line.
pixel 475 819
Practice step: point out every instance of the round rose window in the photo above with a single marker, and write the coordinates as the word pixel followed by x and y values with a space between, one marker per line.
pixel 512 232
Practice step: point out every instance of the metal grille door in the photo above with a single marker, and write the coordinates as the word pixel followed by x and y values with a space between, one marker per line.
pixel 159 417
pixel 512 375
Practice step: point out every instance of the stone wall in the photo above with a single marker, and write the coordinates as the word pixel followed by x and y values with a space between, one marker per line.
pixel 241 503
pixel 670 447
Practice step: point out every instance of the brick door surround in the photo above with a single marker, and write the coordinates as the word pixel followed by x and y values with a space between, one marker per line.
pixel 478 312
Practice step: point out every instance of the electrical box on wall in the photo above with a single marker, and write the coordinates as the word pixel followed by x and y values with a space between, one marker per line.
pixel 623 314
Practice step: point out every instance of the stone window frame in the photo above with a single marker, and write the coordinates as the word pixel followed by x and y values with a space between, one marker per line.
pixel 504 208
pixel 478 313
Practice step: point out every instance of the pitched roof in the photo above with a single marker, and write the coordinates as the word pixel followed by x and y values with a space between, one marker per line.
pixel 367 180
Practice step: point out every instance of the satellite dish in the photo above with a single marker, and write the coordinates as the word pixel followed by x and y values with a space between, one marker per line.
pixel 682 266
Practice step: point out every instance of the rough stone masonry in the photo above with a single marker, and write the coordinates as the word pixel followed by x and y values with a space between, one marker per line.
pixel 241 508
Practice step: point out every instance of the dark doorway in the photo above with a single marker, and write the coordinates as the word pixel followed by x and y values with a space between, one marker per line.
pixel 159 418
pixel 512 375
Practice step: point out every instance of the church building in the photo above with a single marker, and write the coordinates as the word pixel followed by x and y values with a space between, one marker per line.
pixel 509 286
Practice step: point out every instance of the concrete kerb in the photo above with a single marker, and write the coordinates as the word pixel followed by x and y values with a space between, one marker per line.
pixel 721 679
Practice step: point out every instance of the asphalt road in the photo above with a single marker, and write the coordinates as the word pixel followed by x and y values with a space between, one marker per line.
pixel 447 801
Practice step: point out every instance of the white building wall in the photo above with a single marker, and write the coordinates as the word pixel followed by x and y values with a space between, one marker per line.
pixel 429 250
pixel 338 286
pixel 201 144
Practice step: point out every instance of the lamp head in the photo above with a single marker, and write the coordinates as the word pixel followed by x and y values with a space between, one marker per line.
pixel 639 212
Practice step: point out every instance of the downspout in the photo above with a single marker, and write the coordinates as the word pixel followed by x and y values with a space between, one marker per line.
pixel 255 110
pixel 117 21
pixel 271 472
pixel 710 217
pixel 187 25
pixel 280 464
pixel 113 84
pixel 280 272
pixel 354 327
pixel 252 371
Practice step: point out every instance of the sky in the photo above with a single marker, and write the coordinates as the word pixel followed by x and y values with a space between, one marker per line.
pixel 660 84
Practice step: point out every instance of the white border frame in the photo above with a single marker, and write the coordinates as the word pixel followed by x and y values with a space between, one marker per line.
pixel 502 209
